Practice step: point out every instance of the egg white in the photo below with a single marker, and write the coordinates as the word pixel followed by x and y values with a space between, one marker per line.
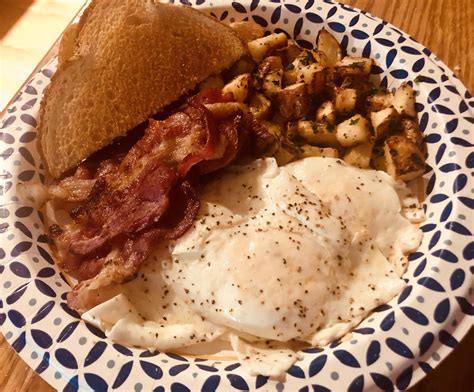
pixel 282 254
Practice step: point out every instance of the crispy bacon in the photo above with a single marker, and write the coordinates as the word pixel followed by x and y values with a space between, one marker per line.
pixel 145 196
pixel 122 264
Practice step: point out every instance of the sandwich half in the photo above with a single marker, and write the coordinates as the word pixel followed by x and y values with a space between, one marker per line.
pixel 122 63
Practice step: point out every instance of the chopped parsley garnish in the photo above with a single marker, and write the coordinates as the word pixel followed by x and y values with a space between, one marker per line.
pixel 331 128
pixel 290 67
pixel 354 121
pixel 308 59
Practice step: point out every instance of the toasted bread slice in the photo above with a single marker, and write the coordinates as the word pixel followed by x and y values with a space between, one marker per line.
pixel 123 62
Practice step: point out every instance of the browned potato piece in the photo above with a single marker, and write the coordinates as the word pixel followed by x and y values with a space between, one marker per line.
pixel 292 70
pixel 355 130
pixel 320 134
pixel 239 87
pixel 326 113
pixel 247 31
pixel 411 130
pixel 260 106
pixel 294 101
pixel 377 160
pixel 382 121
pixel 226 109
pixel 359 155
pixel 292 130
pixel 404 100
pixel 286 153
pixel 314 76
pixel 312 151
pixel 266 134
pixel 272 84
pixel 290 53
pixel 346 99
pixel 327 44
pixel 403 158
pixel 379 101
pixel 354 65
pixel 269 64
pixel 261 47
pixel 320 58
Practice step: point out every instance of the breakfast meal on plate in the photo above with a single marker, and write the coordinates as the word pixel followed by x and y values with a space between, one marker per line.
pixel 213 183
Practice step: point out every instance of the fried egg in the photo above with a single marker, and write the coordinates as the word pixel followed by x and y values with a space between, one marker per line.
pixel 299 253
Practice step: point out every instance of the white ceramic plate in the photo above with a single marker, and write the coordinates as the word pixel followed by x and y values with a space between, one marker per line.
pixel 392 349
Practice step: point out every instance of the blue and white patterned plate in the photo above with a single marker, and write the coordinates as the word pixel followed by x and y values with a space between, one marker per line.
pixel 392 349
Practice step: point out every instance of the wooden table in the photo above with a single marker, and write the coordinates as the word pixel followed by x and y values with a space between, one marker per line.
pixel 444 26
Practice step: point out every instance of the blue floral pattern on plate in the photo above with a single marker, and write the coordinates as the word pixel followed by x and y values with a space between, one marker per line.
pixel 392 349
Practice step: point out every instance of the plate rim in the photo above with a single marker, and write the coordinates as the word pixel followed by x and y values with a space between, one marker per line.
pixel 463 327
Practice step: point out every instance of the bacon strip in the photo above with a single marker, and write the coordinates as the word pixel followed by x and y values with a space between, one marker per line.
pixel 122 265
pixel 145 197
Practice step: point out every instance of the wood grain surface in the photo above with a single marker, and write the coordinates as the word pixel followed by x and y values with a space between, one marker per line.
pixel 28 28
pixel 444 26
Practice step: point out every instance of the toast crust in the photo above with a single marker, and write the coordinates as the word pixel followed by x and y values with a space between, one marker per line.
pixel 122 63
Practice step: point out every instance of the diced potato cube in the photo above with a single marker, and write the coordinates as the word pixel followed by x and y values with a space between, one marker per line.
pixel 354 65
pixel 320 58
pixel 294 101
pixel 290 53
pixel 355 130
pixel 359 155
pixel 261 47
pixel 404 100
pixel 213 81
pixel 269 64
pixel 327 44
pixel 292 70
pixel 272 84
pixel 247 31
pixel 312 151
pixel 273 128
pixel 314 76
pixel 377 160
pixel 285 154
pixel 289 77
pixel 326 113
pixel 260 106
pixel 271 150
pixel 346 99
pixel 382 121
pixel 411 130
pixel 320 134
pixel 226 109
pixel 403 158
pixel 239 87
pixel 266 134
pixel 292 130
pixel 379 101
